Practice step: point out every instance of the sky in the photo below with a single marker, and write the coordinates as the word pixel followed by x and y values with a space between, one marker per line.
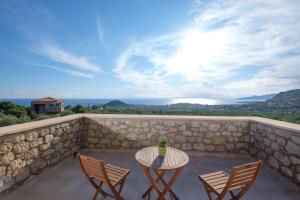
pixel 148 48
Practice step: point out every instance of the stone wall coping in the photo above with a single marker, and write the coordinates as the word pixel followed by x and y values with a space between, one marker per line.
pixel 271 122
pixel 47 122
pixel 7 130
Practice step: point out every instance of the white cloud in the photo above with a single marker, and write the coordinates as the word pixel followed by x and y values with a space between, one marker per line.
pixel 59 55
pixel 100 32
pixel 235 48
pixel 68 71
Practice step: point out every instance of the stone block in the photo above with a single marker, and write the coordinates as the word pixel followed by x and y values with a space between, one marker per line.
pixel 44 147
pixel 199 147
pixel 232 128
pixel 293 148
pixel 92 140
pixel 295 139
pixel 281 141
pixel 37 165
pixel 275 146
pixel 6 182
pixel 210 148
pixel 273 162
pixel 295 160
pixel 267 142
pixel 48 138
pixel 6 147
pixel 36 142
pixel 282 158
pixel 7 158
pixel 32 153
pixel 186 146
pixel 15 166
pixel 23 175
pixel 21 147
pixel 286 171
pixel 48 152
pixel 44 132
pixel 214 127
pixel 2 171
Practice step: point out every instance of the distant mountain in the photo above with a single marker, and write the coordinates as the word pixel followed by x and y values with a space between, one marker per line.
pixel 116 103
pixel 283 101
pixel 257 98
pixel 288 99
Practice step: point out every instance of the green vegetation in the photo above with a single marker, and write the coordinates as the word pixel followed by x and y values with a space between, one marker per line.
pixel 285 106
pixel 162 143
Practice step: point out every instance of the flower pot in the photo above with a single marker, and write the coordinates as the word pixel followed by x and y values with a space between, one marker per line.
pixel 162 151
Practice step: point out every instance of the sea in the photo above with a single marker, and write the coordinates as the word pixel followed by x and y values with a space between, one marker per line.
pixel 136 101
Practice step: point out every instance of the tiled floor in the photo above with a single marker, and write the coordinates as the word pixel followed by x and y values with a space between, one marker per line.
pixel 66 181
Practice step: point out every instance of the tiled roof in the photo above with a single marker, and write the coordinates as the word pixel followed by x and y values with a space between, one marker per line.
pixel 46 100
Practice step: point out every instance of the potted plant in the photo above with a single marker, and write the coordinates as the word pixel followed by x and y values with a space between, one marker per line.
pixel 162 147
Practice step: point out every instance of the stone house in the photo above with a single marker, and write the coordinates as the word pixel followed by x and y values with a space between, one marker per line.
pixel 47 105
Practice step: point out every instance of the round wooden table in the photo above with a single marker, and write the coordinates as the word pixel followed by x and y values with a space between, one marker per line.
pixel 149 159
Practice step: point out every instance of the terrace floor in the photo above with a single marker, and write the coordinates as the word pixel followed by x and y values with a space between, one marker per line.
pixel 65 181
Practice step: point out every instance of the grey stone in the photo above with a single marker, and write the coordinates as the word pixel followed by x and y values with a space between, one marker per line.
pixel 92 140
pixel 48 152
pixel 275 146
pixel 214 127
pixel 186 146
pixel 293 148
pixel 281 140
pixel 199 147
pixel 295 139
pixel 267 141
pixel 273 162
pixel 6 182
pixel 286 171
pixel 282 158
pixel 295 160
pixel 23 175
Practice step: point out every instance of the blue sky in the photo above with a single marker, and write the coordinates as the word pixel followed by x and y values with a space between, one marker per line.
pixel 139 48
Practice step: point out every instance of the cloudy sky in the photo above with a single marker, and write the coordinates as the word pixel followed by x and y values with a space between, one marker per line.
pixel 139 48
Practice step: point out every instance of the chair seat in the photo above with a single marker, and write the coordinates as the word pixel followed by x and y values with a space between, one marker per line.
pixel 216 181
pixel 115 173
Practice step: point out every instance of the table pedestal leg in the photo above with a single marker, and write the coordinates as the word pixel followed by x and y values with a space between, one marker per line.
pixel 154 183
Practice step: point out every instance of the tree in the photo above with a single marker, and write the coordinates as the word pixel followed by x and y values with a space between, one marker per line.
pixel 9 108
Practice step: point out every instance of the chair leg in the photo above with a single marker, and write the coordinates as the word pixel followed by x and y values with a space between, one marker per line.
pixel 121 185
pixel 207 191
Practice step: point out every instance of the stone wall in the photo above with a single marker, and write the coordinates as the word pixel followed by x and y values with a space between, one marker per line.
pixel 278 147
pixel 27 149
pixel 186 134
pixel 27 153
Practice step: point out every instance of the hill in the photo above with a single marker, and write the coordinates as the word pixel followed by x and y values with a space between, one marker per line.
pixel 286 100
pixel 257 97
pixel 116 103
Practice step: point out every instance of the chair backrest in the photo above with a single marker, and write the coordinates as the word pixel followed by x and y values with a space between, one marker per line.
pixel 92 167
pixel 243 175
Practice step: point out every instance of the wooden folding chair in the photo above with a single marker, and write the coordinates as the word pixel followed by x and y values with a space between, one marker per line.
pixel 239 180
pixel 98 173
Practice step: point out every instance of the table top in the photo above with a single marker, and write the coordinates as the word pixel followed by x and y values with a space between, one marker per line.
pixel 174 158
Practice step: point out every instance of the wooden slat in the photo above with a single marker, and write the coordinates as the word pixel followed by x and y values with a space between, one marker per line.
pixel 223 180
pixel 215 177
pixel 250 170
pixel 210 174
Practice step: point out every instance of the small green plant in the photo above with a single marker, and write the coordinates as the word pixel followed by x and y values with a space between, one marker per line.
pixel 162 147
pixel 162 143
